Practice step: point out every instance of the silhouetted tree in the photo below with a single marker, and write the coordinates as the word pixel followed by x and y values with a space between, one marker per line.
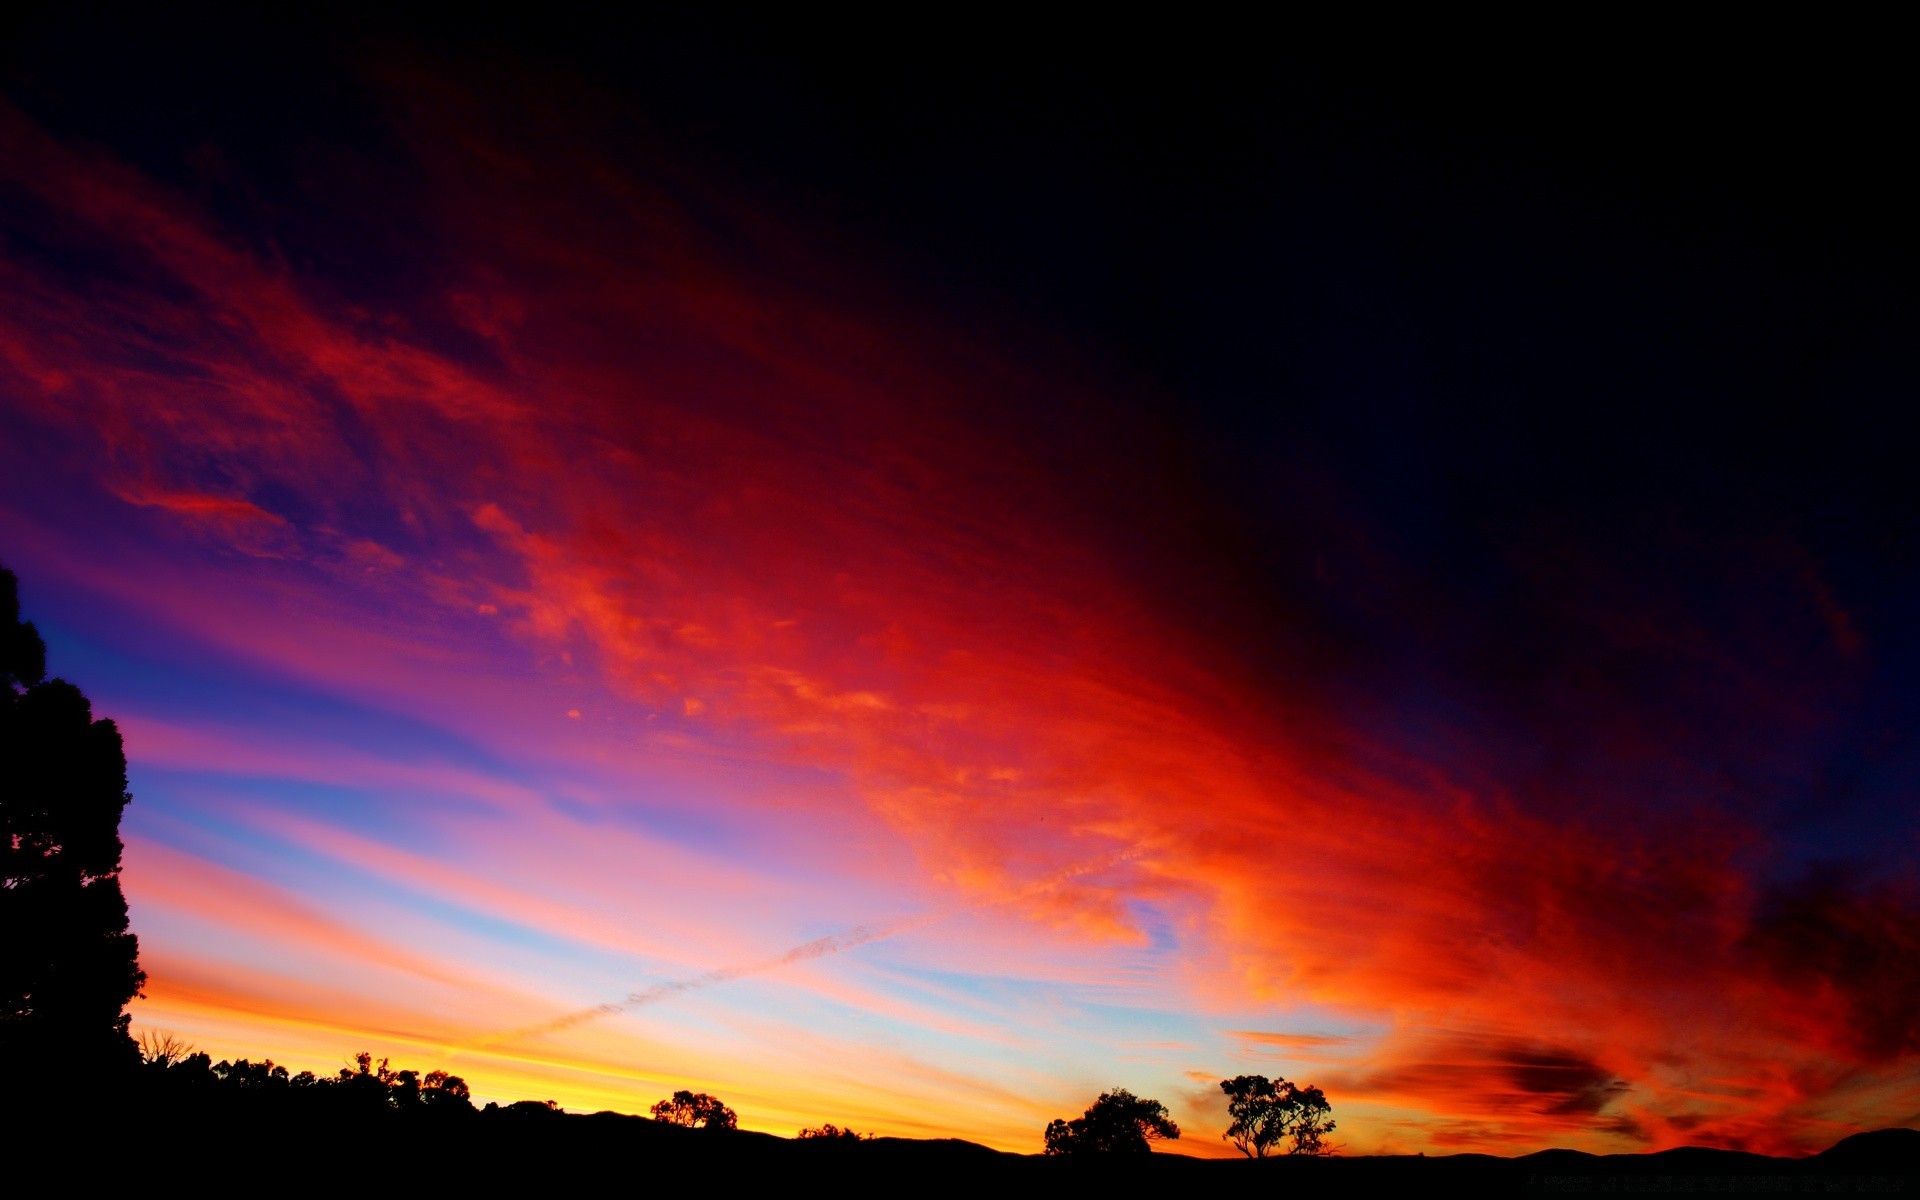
pixel 1119 1122
pixel 1267 1113
pixel 160 1050
pixel 366 1083
pixel 374 1084
pixel 404 1092
pixel 695 1110
pixel 1313 1124
pixel 441 1092
pixel 830 1132
pixel 251 1075
pixel 195 1070
pixel 68 965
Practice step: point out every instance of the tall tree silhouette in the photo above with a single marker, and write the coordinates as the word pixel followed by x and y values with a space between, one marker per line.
pixel 68 965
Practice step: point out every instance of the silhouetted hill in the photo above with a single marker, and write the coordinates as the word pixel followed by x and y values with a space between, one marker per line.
pixel 1888 1150
pixel 1682 1160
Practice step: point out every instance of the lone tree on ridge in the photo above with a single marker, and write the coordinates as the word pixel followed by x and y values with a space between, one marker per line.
pixel 1267 1113
pixel 1119 1122
pixel 695 1110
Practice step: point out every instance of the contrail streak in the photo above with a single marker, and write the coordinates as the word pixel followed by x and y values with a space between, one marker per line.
pixel 859 935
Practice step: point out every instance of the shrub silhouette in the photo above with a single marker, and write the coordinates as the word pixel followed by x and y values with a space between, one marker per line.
pixel 830 1132
pixel 68 964
pixel 1119 1122
pixel 1267 1113
pixel 695 1110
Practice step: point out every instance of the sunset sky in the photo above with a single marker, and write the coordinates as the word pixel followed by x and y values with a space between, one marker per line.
pixel 1011 567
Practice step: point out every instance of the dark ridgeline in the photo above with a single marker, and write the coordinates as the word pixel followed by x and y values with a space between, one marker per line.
pixel 370 1122
pixel 68 964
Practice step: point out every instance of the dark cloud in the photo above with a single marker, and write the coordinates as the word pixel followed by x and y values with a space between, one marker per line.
pixel 1575 1085
pixel 1853 942
pixel 1493 1075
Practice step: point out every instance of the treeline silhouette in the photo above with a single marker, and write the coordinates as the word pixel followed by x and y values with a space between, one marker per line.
pixel 171 1071
pixel 368 1121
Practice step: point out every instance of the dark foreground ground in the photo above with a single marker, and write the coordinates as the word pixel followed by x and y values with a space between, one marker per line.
pixel 234 1147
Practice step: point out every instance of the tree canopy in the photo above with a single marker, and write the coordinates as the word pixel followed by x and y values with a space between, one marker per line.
pixel 1270 1113
pixel 695 1110
pixel 68 964
pixel 1119 1122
